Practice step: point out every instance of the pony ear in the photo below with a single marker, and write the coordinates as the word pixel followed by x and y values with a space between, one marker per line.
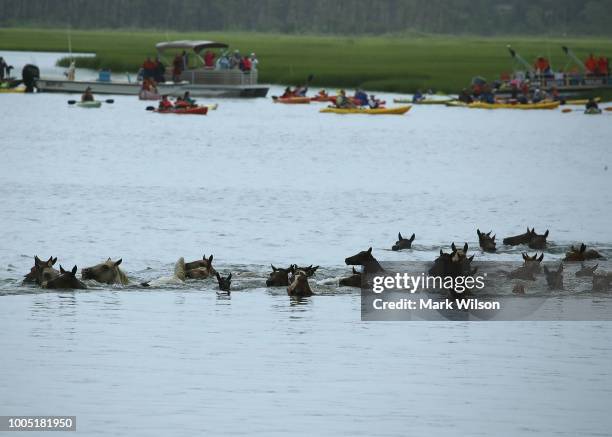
pixel 471 258
pixel 204 257
pixel 62 271
pixel 229 277
pixel 218 276
pixel 524 255
pixel 273 268
pixel 53 261
pixel 412 237
pixel 37 260
pixel 493 237
pixel 465 248
pixel 210 258
pixel 453 247
pixel 541 257
pixel 582 247
pixel 354 271
pixel 546 233
pixel 119 261
pixel 370 249
pixel 109 259
pixel 595 267
pixel 74 270
pixel 441 253
pixel 478 232
pixel 399 236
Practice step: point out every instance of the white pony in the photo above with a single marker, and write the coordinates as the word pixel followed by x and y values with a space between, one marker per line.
pixel 177 279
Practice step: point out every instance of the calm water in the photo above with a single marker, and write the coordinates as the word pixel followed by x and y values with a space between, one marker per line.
pixel 257 183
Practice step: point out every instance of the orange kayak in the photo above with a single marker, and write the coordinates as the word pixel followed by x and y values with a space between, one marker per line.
pixel 291 99
pixel 200 110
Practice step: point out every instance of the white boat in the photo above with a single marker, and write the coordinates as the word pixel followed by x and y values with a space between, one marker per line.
pixel 200 82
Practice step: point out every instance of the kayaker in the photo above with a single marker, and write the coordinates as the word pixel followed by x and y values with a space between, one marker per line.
pixel 373 102
pixel 417 97
pixel 245 64
pixel 591 104
pixel 343 102
pixel 300 91
pixel 288 93
pixel 537 96
pixel 542 66
pixel 360 98
pixel 187 99
pixel 180 103
pixel 165 104
pixel 465 96
pixel 87 95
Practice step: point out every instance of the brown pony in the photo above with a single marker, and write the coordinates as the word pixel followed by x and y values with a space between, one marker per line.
pixel 581 254
pixel 66 280
pixel 403 243
pixel 554 279
pixel 351 281
pixel 107 272
pixel 41 271
pixel 487 243
pixel 279 277
pixel 299 287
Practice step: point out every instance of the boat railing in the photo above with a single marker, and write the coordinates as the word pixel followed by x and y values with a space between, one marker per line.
pixel 217 77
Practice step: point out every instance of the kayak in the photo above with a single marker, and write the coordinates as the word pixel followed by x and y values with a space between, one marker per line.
pixel 199 110
pixel 424 101
pixel 592 111
pixel 581 101
pixel 399 110
pixel 90 104
pixel 541 105
pixel 323 98
pixel 12 90
pixel 299 100
pixel 482 105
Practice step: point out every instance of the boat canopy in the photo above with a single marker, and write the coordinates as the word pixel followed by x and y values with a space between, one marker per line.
pixel 196 46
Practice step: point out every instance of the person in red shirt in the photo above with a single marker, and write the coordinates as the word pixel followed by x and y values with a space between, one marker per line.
pixel 602 66
pixel 209 59
pixel 246 64
pixel 165 104
pixel 591 64
pixel 542 65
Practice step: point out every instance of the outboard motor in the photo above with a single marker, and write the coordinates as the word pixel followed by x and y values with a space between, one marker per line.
pixel 30 74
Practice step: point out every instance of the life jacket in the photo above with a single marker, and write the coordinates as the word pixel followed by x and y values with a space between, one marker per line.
pixel 165 104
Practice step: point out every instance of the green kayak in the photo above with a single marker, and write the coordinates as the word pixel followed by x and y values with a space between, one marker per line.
pixel 94 104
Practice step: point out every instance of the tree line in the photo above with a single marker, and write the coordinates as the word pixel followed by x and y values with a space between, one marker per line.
pixel 354 17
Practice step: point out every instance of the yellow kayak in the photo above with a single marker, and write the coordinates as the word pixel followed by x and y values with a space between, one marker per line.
pixel 399 110
pixel 482 105
pixel 18 89
pixel 581 101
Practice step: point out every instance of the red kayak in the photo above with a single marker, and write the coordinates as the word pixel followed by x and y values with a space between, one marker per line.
pixel 332 99
pixel 200 110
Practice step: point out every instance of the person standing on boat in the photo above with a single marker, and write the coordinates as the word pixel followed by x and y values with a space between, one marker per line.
pixel 591 65
pixel 254 61
pixel 177 68
pixel 87 95
pixel 3 69
pixel 209 59
pixel 159 71
pixel 602 66
pixel 148 68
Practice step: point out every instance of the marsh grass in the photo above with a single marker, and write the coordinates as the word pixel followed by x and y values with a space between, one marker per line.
pixel 398 63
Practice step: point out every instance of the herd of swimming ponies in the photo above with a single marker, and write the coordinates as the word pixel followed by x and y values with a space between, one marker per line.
pixel 295 278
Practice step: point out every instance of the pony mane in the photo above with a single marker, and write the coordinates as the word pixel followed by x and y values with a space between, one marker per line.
pixel 122 276
pixel 179 269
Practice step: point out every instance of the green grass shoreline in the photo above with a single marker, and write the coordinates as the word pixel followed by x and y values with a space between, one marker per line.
pixel 394 63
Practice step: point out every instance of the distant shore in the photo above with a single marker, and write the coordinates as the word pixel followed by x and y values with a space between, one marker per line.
pixel 385 63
